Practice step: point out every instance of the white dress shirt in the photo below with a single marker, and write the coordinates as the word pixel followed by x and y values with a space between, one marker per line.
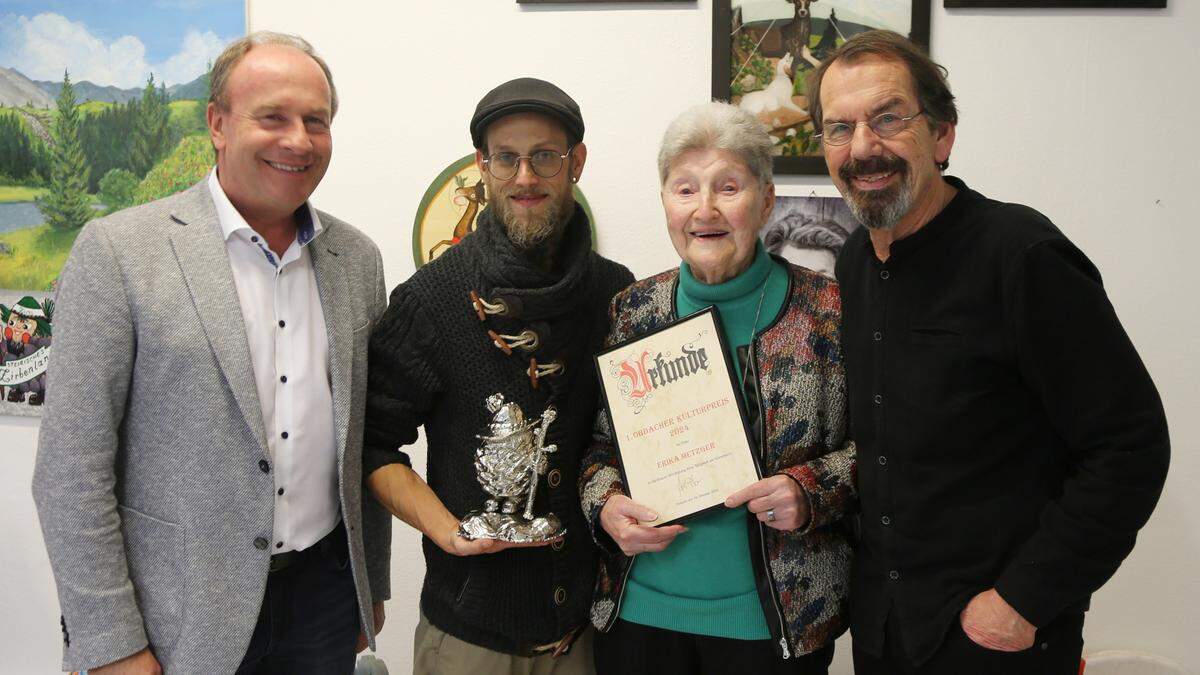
pixel 289 347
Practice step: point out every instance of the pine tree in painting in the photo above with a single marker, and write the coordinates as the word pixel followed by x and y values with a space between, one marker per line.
pixel 17 153
pixel 152 133
pixel 66 205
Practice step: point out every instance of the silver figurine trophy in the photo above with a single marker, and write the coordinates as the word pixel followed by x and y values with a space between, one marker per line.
pixel 507 465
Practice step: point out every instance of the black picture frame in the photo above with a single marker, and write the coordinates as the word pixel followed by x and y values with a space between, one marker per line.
pixel 1043 4
pixel 722 59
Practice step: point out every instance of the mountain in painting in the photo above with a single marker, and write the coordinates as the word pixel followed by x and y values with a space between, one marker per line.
pixel 86 91
pixel 17 90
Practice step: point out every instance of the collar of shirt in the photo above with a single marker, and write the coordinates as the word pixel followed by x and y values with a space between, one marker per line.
pixel 308 225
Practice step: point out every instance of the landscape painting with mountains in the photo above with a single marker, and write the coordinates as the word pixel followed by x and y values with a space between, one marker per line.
pixel 101 107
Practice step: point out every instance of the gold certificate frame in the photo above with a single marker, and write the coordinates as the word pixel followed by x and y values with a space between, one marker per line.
pixel 678 418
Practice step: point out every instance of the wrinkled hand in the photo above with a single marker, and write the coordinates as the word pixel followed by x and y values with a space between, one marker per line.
pixel 622 519
pixel 379 619
pixel 139 663
pixel 774 494
pixel 992 623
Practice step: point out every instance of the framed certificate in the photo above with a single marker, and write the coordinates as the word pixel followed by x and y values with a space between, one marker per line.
pixel 678 419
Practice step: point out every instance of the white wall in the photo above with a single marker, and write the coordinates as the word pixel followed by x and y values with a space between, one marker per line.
pixel 1088 116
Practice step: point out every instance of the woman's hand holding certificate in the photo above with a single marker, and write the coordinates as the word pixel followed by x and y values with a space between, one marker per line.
pixel 622 519
pixel 778 501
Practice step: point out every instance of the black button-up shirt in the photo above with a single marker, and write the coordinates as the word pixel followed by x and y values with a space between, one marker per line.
pixel 1008 434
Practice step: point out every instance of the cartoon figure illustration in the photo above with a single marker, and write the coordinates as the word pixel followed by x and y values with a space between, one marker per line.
pixel 26 332
pixel 475 199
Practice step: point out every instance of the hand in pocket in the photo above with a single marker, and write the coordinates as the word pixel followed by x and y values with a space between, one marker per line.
pixel 992 623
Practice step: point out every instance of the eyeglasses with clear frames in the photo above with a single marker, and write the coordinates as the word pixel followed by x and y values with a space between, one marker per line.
pixel 545 163
pixel 885 125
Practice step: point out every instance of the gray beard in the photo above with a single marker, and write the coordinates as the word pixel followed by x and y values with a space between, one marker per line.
pixel 528 233
pixel 881 212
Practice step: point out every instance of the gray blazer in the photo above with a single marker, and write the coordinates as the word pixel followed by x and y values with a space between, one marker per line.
pixel 147 482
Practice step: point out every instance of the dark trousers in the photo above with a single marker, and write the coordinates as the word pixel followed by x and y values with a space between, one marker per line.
pixel 633 649
pixel 309 621
pixel 1055 651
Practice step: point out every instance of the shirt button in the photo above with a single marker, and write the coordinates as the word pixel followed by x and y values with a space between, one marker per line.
pixel 279 492
pixel 283 379
pixel 284 435
pixel 264 465
pixel 878 399
pixel 560 596
pixel 554 478
pixel 884 274
pixel 882 460
pixel 885 520
pixel 254 239
pixel 279 544
pixel 282 323
pixel 878 336
pixel 260 543
pixel 894 575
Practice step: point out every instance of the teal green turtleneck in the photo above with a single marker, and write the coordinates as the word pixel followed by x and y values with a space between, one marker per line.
pixel 703 583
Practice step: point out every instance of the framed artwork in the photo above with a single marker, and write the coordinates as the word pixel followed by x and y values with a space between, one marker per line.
pixel 1039 4
pixel 101 108
pixel 763 51
pixel 809 231
pixel 451 206
pixel 678 419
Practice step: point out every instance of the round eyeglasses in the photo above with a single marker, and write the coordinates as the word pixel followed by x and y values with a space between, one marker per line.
pixel 545 163
pixel 884 125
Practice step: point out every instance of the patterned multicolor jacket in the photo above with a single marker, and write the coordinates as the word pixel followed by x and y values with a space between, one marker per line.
pixel 797 363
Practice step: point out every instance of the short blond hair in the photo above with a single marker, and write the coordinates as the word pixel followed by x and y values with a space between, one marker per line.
pixel 218 77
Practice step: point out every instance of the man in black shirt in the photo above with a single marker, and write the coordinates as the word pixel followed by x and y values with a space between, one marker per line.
pixel 1010 441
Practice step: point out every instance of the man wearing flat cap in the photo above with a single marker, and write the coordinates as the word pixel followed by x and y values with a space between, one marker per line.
pixel 516 309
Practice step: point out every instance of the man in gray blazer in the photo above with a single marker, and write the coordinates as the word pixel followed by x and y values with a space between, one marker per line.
pixel 198 476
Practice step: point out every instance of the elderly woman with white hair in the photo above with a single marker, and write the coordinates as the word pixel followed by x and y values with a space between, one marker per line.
pixel 760 586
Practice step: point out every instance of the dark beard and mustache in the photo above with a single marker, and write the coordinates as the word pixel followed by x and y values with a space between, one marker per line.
pixel 878 209
pixel 15 347
pixel 530 232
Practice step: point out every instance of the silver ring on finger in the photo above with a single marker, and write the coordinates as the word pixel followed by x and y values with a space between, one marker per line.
pixel 770 515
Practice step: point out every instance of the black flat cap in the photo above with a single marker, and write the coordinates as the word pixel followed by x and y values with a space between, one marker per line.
pixel 527 94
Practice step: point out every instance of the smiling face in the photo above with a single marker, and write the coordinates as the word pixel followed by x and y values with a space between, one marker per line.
pixel 531 208
pixel 273 142
pixel 715 208
pixel 884 180
pixel 19 329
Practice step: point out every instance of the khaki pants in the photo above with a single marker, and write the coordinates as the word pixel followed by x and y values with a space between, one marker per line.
pixel 436 653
